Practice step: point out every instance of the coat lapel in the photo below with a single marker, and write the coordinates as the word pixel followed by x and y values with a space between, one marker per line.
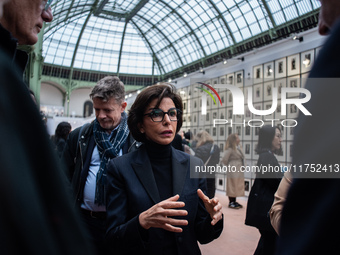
pixel 180 166
pixel 143 170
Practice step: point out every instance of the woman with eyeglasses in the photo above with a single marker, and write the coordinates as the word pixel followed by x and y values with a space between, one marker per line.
pixel 153 206
pixel 261 196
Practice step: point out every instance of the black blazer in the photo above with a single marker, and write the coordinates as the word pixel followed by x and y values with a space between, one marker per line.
pixel 261 196
pixel 132 189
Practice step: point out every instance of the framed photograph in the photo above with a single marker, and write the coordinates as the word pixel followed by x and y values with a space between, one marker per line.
pixel 230 130
pixel 292 111
pixel 230 79
pixel 238 118
pixel 221 147
pixel 229 113
pixel 268 88
pixel 268 71
pixel 247 113
pixel 195 122
pixel 214 82
pixel 280 68
pixel 258 106
pixel 221 132
pixel 268 105
pixel 293 82
pixel 279 84
pixel 247 149
pixel 221 113
pixel 293 65
pixel 229 99
pixel 238 130
pixel 247 132
pixel 247 187
pixel 220 182
pixel 214 132
pixel 278 111
pixel 245 93
pixel 222 80
pixel 257 93
pixel 257 74
pixel 307 61
pixel 239 78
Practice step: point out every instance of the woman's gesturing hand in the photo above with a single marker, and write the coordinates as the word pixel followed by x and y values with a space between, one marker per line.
pixel 159 216
pixel 213 207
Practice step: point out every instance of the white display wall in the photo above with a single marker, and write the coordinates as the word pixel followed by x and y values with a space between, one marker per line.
pixel 285 64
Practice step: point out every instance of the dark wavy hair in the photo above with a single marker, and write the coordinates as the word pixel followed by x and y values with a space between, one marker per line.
pixel 266 136
pixel 137 110
pixel 62 131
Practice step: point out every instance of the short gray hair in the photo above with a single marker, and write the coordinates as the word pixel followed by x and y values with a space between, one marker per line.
pixel 109 87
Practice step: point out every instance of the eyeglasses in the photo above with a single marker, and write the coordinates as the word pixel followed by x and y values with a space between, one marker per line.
pixel 47 4
pixel 157 115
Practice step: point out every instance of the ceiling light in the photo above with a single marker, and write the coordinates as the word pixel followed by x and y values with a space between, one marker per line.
pixel 202 70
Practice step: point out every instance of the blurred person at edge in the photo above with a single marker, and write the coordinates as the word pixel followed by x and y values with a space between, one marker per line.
pixel 210 155
pixel 37 216
pixel 60 136
pixel 310 216
pixel 153 205
pixel 234 156
pixel 261 196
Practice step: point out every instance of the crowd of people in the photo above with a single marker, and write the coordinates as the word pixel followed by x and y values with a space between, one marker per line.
pixel 120 185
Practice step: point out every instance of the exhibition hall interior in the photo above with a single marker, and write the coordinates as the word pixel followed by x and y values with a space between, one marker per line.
pixel 262 48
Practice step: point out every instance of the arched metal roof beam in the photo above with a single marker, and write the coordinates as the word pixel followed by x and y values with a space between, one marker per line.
pixel 270 15
pixel 220 15
pixel 186 23
pixel 121 48
pixel 161 68
pixel 81 35
pixel 166 38
pixel 69 9
pixel 137 8
pixel 66 22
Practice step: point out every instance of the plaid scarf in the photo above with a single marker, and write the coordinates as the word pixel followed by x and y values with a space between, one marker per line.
pixel 108 149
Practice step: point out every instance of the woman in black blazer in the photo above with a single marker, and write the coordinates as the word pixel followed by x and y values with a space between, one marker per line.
pixel 153 206
pixel 261 196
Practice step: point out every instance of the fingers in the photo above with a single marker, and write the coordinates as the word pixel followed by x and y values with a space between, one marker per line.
pixel 172 203
pixel 171 213
pixel 216 218
pixel 171 228
pixel 218 206
pixel 213 206
pixel 202 196
pixel 174 198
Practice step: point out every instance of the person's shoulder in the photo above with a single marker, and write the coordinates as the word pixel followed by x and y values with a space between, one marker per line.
pixel 128 157
pixel 181 155
pixel 265 154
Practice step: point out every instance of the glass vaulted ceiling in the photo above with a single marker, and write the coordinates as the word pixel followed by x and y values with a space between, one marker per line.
pixel 157 36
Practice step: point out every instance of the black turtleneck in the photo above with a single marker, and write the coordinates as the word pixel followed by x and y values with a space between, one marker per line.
pixel 160 159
